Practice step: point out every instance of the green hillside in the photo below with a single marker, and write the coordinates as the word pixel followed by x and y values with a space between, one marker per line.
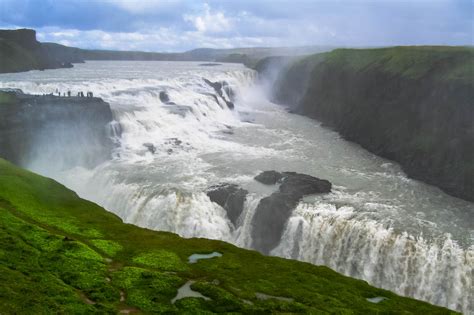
pixel 63 254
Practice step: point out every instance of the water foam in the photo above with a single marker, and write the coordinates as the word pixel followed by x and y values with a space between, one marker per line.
pixel 438 271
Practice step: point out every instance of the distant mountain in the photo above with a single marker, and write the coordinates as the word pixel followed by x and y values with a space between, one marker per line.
pixel 20 51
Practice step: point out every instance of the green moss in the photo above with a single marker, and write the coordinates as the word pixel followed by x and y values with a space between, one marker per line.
pixel 110 248
pixel 51 247
pixel 410 61
pixel 148 290
pixel 161 259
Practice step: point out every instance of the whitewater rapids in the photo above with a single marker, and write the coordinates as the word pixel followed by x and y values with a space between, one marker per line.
pixel 377 225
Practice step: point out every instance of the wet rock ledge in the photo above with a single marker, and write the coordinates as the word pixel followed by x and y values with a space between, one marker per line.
pixel 273 211
pixel 71 129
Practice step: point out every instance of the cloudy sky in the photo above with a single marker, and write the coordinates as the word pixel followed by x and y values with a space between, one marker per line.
pixel 178 25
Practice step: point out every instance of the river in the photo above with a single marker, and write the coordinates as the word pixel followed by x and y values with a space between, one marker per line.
pixel 377 224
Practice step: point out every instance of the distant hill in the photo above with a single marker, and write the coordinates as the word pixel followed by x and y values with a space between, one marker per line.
pixel 20 51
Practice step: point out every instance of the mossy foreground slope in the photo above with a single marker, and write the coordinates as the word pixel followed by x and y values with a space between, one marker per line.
pixel 63 254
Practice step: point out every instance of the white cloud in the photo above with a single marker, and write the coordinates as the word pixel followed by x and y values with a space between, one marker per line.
pixel 159 39
pixel 144 6
pixel 209 21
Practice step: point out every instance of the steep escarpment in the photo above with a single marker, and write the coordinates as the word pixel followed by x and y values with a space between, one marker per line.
pixel 20 51
pixel 68 255
pixel 61 131
pixel 413 105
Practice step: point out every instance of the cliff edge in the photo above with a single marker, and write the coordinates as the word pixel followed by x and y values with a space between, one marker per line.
pixel 413 105
pixel 60 131
pixel 20 51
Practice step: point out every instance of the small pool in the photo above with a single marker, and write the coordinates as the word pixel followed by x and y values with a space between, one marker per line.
pixel 195 257
pixel 186 291
pixel 376 299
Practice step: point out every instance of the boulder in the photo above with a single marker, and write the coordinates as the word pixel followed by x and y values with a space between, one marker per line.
pixel 164 97
pixel 269 220
pixel 268 177
pixel 298 185
pixel 273 211
pixel 230 197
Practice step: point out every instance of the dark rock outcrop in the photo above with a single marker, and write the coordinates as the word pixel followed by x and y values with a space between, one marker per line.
pixel 229 91
pixel 210 64
pixel 20 51
pixel 72 131
pixel 298 185
pixel 25 38
pixel 220 88
pixel 269 177
pixel 273 211
pixel 230 197
pixel 413 105
pixel 164 97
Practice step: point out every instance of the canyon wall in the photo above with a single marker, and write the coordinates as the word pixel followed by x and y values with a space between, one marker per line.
pixel 413 105
pixel 60 131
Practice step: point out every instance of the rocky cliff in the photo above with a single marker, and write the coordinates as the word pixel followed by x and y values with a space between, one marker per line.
pixel 413 105
pixel 20 51
pixel 62 131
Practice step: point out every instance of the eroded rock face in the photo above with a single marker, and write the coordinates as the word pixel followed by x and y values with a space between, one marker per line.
pixel 273 211
pixel 229 91
pixel 220 88
pixel 230 197
pixel 75 131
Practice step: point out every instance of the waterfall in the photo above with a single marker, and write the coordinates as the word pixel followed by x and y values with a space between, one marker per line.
pixel 175 136
pixel 438 271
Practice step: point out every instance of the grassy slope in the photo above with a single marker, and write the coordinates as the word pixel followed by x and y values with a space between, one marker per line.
pixel 414 62
pixel 63 254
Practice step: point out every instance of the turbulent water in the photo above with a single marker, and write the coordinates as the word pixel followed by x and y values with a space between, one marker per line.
pixel 376 225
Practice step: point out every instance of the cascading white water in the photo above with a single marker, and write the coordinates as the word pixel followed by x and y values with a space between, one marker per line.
pixel 376 225
pixel 438 271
